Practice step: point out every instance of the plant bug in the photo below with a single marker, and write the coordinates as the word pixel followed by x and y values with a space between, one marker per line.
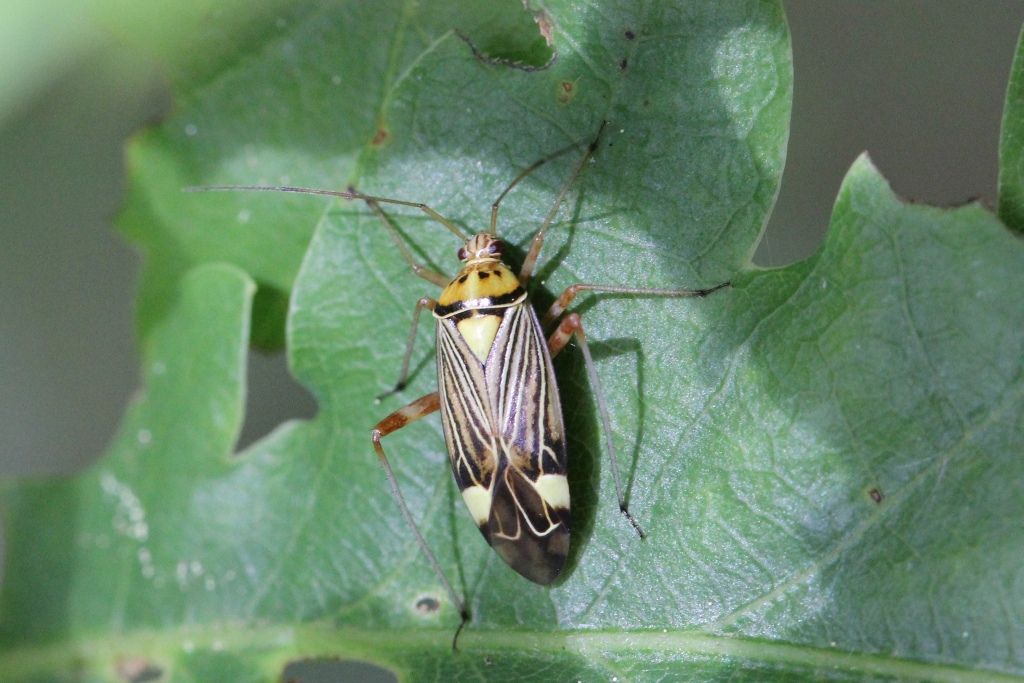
pixel 497 393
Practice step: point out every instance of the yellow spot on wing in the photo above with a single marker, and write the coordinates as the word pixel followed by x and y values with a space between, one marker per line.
pixel 478 500
pixel 554 489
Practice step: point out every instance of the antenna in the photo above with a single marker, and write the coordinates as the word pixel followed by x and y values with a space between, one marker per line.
pixel 347 194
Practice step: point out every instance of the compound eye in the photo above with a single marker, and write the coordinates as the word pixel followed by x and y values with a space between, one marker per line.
pixel 462 253
pixel 497 248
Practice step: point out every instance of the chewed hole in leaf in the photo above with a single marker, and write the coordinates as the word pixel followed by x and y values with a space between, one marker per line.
pixel 526 44
pixel 269 316
pixel 273 397
pixel 344 671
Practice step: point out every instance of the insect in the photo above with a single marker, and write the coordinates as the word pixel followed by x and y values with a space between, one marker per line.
pixel 497 392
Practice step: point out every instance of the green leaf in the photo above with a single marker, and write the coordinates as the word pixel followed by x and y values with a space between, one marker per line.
pixel 95 545
pixel 1011 147
pixel 822 455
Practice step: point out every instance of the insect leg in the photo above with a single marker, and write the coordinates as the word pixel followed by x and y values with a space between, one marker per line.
pixel 425 302
pixel 572 324
pixel 538 240
pixel 563 301
pixel 438 279
pixel 421 407
pixel 347 194
pixel 569 326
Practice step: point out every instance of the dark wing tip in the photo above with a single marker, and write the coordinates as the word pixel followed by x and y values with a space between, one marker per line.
pixel 529 535
pixel 537 558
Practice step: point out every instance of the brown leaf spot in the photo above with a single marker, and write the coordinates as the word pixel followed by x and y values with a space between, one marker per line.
pixel 566 91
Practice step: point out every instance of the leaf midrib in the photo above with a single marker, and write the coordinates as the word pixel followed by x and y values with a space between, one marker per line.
pixel 282 644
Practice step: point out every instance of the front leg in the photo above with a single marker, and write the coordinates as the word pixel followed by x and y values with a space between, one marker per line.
pixel 429 304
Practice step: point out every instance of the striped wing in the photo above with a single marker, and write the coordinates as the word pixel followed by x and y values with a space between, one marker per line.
pixel 466 416
pixel 503 425
pixel 522 390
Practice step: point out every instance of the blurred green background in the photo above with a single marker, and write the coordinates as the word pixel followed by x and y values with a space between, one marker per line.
pixel 918 84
